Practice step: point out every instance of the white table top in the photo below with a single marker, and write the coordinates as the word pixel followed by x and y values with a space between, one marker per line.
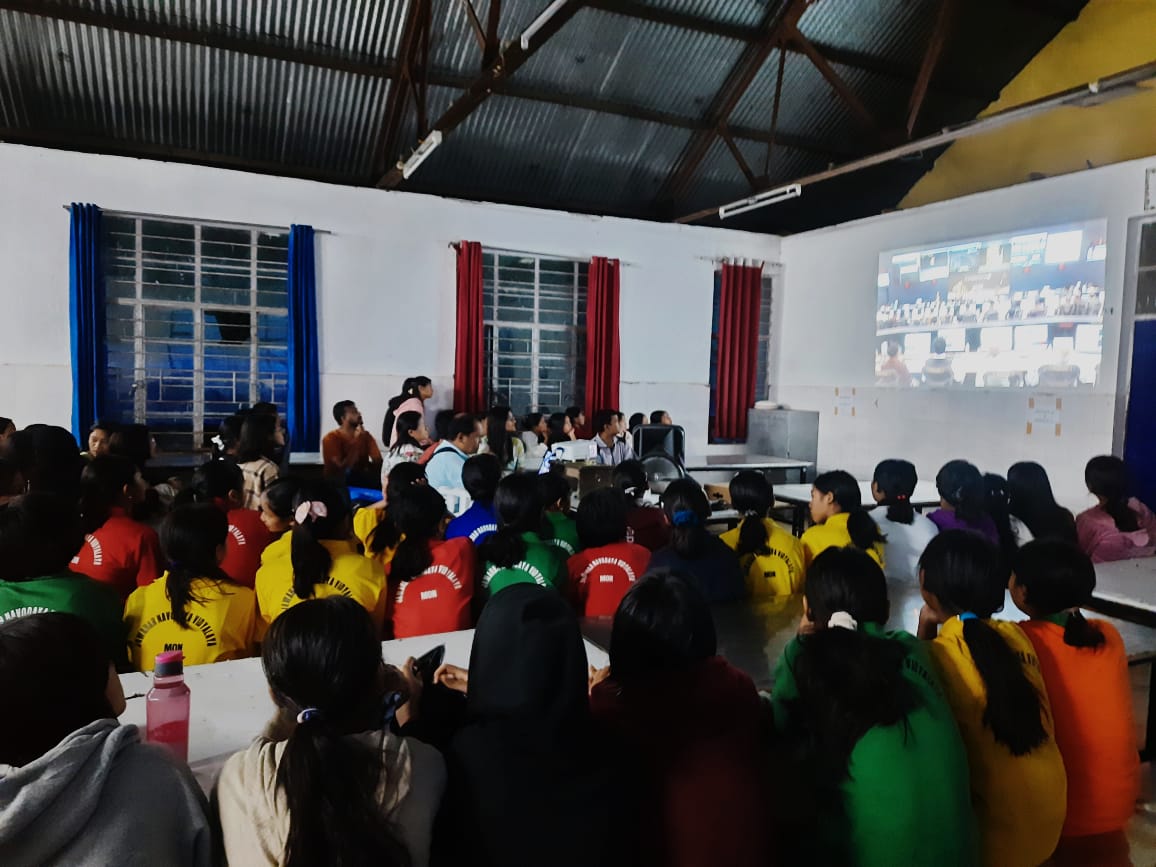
pixel 1128 582
pixel 231 703
pixel 925 495
pixel 742 461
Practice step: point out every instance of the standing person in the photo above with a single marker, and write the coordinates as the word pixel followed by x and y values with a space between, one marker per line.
pixel 693 550
pixel 444 469
pixel 839 518
pixel 76 787
pixel 1118 527
pixel 411 433
pixel 99 439
pixel 556 493
pixel 255 452
pixel 991 675
pixel 118 551
pixel 1035 514
pixel 907 532
pixel 415 391
pixel 612 448
pixel 961 503
pixel 533 780
pixel 872 755
pixel 1085 669
pixel 327 782
pixel 577 417
pixel 194 607
pixel 501 439
pixel 350 453
pixel 480 476
pixel 518 553
pixel 647 524
pixel 221 484
pixel 561 429
pixel 769 556
pixel 608 565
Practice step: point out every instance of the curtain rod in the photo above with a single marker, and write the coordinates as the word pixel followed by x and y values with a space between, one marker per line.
pixel 221 223
pixel 454 245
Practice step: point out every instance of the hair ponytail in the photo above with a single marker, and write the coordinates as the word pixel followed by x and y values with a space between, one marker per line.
pixel 863 530
pixel 519 509
pixel 687 509
pixel 320 513
pixel 190 537
pixel 418 515
pixel 896 480
pixel 1057 578
pixel 1107 477
pixel 961 487
pixel 753 496
pixel 1078 632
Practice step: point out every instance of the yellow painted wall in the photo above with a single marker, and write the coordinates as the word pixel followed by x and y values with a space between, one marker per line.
pixel 1109 36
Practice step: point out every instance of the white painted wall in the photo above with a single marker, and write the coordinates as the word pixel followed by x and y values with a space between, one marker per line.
pixel 386 277
pixel 828 336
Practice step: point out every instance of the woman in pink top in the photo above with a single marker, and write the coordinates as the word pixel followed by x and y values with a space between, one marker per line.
pixel 415 391
pixel 1120 527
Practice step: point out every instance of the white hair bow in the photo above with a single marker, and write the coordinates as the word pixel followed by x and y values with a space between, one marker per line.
pixel 310 509
pixel 842 620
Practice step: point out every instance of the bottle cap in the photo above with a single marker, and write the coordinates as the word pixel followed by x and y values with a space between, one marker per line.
pixel 169 663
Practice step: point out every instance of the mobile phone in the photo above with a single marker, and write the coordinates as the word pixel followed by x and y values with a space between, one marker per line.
pixel 429 662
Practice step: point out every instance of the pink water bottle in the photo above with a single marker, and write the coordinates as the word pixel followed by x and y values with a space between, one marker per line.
pixel 167 705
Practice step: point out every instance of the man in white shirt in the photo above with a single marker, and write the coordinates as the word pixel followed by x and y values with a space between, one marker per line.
pixel 444 470
pixel 612 448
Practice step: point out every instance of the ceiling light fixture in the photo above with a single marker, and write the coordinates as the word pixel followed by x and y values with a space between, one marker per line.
pixel 428 145
pixel 540 22
pixel 760 200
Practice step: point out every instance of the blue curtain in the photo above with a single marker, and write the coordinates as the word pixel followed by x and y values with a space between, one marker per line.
pixel 86 319
pixel 304 413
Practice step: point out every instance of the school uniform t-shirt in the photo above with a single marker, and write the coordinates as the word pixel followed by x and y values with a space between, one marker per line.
pixel 477 523
pixel 905 543
pixel 278 548
pixel 1019 800
pixel 244 545
pixel 564 532
pixel 544 564
pixel 122 553
pixel 946 519
pixel 833 533
pixel 439 599
pixel 600 577
pixel 70 593
pixel 365 521
pixel 351 575
pixel 779 573
pixel 1091 696
pixel 715 570
pixel 222 623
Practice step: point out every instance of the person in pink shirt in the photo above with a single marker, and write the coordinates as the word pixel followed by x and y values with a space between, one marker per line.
pixel 1119 527
pixel 415 391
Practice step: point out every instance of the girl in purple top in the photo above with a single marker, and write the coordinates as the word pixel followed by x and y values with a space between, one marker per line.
pixel 1120 527
pixel 961 501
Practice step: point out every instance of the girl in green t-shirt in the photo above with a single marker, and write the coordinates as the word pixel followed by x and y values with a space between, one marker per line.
pixel 518 553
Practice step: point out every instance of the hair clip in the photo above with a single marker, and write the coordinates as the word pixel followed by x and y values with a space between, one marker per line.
pixel 310 509
pixel 842 620
pixel 902 498
pixel 685 518
pixel 968 615
pixel 310 714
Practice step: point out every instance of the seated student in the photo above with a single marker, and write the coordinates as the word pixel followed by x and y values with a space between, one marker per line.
pixel 647 524
pixel 1034 512
pixel 769 556
pixel 961 503
pixel 612 447
pixel 692 721
pixel 48 458
pixel 350 452
pixel 282 454
pixel 1119 527
pixel 221 484
pixel 608 565
pixel 1085 669
pixel 118 551
pixel 555 489
pixel 228 438
pixel 372 527
pixel 518 553
pixel 480 476
pixel 255 453
pixel 576 416
pixel 411 433
pixel 324 560
pixel 99 439
pixel 561 429
pixel 76 787
pixel 444 469
pixel 661 416
pixel 277 516
pixel 442 421
pixel 39 534
pixel 872 756
pixel 327 782
pixel 695 551
pixel 194 607
pixel 839 518
pixel 535 781
pixel 637 420
pixel 906 531
pixel 995 503
pixel 502 440
pixel 430 580
pixel 991 675
pixel 535 429
pixel 937 369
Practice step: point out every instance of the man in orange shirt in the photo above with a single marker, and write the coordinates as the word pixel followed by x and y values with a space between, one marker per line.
pixel 350 453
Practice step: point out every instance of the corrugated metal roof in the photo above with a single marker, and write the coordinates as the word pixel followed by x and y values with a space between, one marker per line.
pixel 720 179
pixel 455 45
pixel 741 13
pixel 896 29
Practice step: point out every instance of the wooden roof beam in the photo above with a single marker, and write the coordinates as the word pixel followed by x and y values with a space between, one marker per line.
pixel 939 35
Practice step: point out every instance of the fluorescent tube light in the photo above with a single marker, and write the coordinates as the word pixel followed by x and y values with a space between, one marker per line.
pixel 428 145
pixel 760 200
pixel 540 22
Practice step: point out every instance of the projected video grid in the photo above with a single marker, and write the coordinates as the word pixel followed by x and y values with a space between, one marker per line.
pixel 1023 310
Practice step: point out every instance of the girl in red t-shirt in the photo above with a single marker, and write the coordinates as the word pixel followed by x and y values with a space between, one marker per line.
pixel 222 484
pixel 608 566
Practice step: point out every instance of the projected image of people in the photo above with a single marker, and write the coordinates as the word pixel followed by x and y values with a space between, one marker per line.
pixel 1024 310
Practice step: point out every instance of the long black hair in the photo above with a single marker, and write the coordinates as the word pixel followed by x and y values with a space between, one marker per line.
pixel 896 480
pixel 630 478
pixel 279 495
pixel 407 423
pixel 311 560
pixel 844 490
pixel 1030 499
pixel 133 441
pixel 102 487
pixel 687 509
pixel 418 514
pixel 212 482
pixel 662 625
pixel 190 538
pixel 228 437
pixel 1058 577
pixel 498 439
pixel 324 656
pixel 1107 477
pixel 995 501
pixel 258 438
pixel 480 477
pixel 39 534
pixel 557 429
pixel 386 534
pixel 409 389
pixel 519 509
pixel 960 484
pixel 530 421
pixel 753 496
pixel 602 518
pixel 965 572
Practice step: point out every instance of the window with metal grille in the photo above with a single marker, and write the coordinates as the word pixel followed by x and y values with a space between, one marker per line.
pixel 535 334
pixel 197 324
pixel 1146 272
pixel 762 373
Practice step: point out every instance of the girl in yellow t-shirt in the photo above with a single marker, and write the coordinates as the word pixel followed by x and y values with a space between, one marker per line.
pixel 839 518
pixel 379 535
pixel 324 559
pixel 277 516
pixel 992 678
pixel 770 557
pixel 194 607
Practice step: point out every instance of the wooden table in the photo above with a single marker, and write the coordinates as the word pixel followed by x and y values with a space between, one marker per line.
pixel 734 463
pixel 799 498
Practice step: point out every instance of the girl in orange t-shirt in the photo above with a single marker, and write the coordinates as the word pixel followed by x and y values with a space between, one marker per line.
pixel 1085 670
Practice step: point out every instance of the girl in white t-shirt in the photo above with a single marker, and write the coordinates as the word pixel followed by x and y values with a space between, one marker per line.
pixel 411 433
pixel 907 531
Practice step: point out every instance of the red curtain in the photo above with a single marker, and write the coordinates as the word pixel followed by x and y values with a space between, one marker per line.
pixel 469 358
pixel 602 346
pixel 740 295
